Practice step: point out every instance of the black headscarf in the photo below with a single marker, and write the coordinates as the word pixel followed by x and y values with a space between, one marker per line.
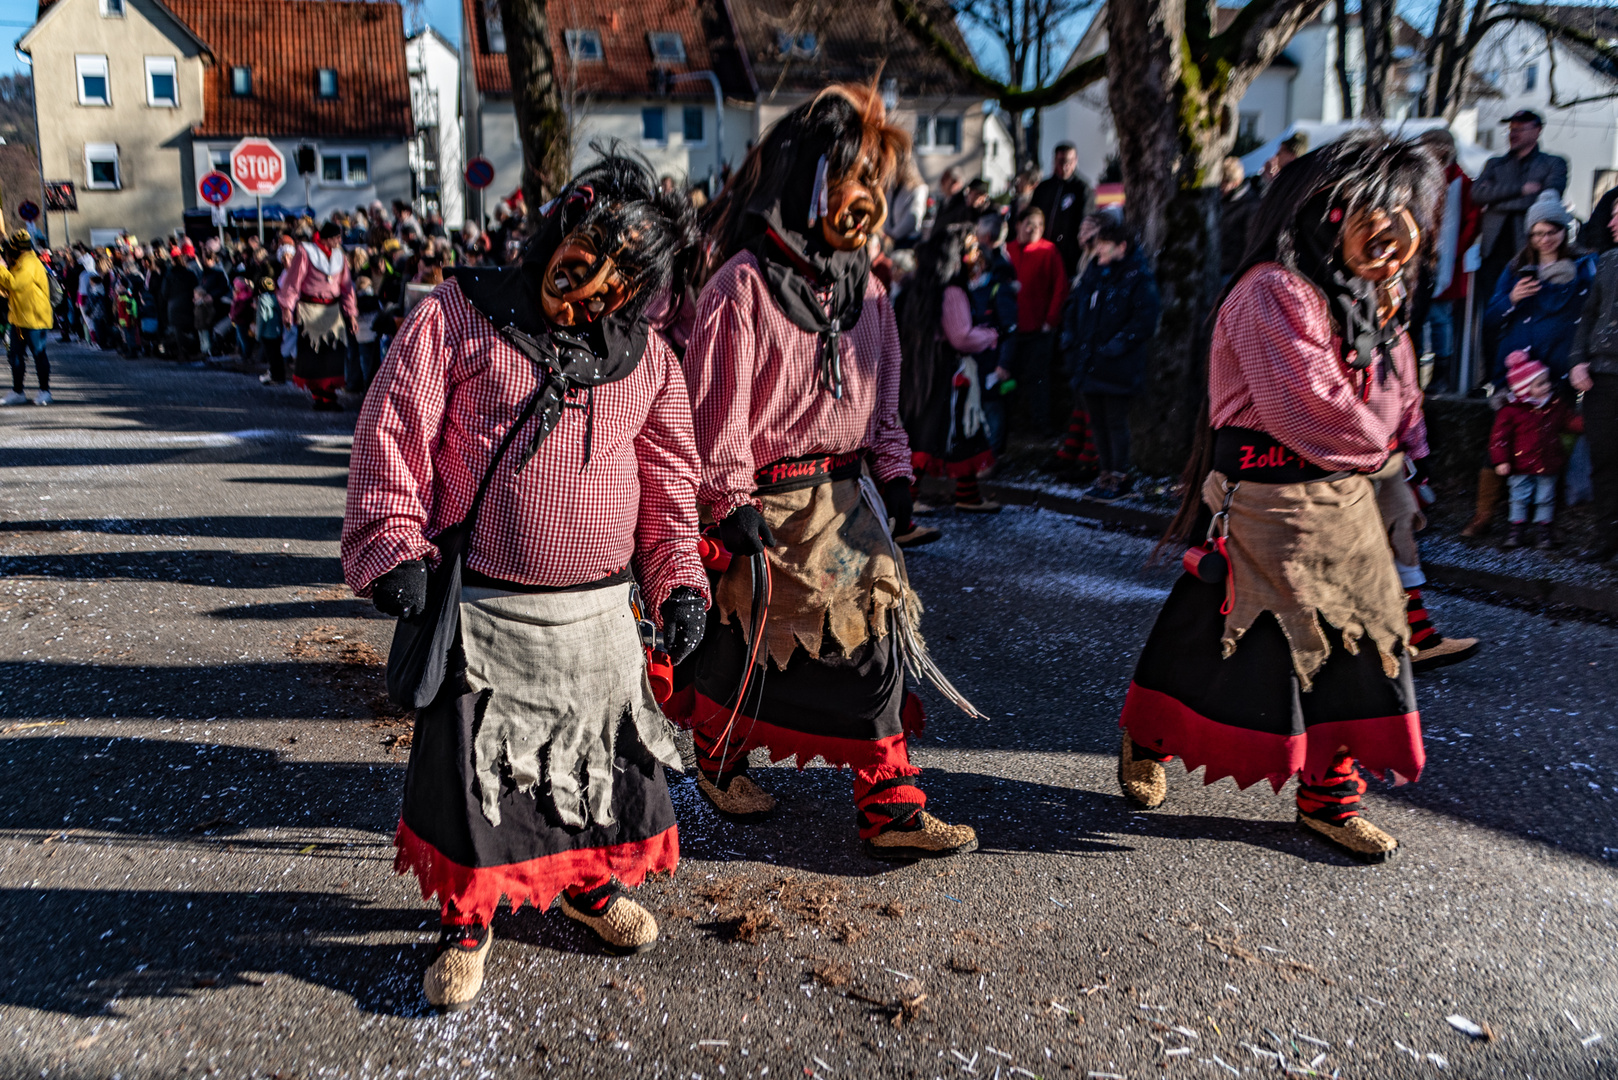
pixel 615 196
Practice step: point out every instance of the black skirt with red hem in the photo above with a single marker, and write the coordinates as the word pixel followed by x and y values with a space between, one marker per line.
pixel 461 859
pixel 848 709
pixel 1247 717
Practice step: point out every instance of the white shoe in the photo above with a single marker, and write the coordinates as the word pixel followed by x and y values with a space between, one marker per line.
pixel 44 398
pixel 14 398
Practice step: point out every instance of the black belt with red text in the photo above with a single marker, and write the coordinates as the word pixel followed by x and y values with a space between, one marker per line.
pixel 1245 454
pixel 791 474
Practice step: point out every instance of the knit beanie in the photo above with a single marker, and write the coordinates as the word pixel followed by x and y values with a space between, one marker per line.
pixel 1521 371
pixel 1548 207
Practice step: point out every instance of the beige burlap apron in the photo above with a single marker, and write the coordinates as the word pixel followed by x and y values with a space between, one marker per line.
pixel 834 573
pixel 321 324
pixel 1307 553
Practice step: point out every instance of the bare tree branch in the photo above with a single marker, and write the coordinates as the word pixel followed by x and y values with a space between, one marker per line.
pixel 1011 98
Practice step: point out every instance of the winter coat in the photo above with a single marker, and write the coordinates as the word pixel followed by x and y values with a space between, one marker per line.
pixel 1108 326
pixel 1545 324
pixel 28 292
pixel 1596 342
pixel 1529 439
pixel 179 289
pixel 1236 209
pixel 1498 189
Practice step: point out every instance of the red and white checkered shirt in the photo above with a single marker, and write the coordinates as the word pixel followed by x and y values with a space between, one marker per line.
pixel 755 389
pixel 1275 366
pixel 447 393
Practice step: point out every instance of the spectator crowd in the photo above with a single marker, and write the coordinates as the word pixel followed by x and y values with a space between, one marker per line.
pixel 1028 315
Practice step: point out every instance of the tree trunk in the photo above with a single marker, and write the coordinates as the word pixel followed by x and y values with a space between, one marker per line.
pixel 1345 84
pixel 1173 132
pixel 1448 60
pixel 1376 27
pixel 542 123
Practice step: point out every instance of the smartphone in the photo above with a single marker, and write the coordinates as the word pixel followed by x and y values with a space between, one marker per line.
pixel 1528 272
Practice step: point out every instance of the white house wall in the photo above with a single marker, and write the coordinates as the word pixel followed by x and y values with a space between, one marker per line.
pixel 1586 135
pixel 389 169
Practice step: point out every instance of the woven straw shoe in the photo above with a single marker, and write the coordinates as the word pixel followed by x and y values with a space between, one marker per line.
pixel 624 927
pixel 454 980
pixel 1145 783
pixel 1355 835
pixel 934 840
pixel 741 800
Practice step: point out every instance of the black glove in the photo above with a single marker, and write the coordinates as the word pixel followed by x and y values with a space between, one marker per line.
pixel 896 497
pixel 745 533
pixel 402 591
pixel 685 617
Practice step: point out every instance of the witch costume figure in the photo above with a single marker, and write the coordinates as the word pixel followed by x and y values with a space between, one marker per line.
pixel 529 419
pixel 317 300
pixel 793 366
pixel 1284 650
pixel 946 323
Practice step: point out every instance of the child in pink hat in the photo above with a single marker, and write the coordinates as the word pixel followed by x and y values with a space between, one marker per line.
pixel 1526 448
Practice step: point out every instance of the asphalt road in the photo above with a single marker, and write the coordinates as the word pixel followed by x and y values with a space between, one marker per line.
pixel 199 783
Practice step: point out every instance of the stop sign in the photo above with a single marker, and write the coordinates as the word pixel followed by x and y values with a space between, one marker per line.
pixel 258 167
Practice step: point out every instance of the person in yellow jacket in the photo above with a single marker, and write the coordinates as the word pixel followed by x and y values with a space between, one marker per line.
pixel 28 293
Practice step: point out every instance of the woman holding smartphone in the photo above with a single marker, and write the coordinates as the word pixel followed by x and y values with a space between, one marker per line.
pixel 1537 303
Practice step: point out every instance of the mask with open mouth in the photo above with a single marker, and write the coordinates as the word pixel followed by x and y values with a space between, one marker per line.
pixel 581 285
pixel 854 213
pixel 1377 246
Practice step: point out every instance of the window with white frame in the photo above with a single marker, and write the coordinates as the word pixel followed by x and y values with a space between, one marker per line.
pixel 93 83
pixel 692 125
pixel 1530 77
pixel 584 45
pixel 162 83
pixel 112 9
pixel 666 48
pixel 350 168
pixel 938 134
pixel 219 158
pixel 652 127
pixel 101 167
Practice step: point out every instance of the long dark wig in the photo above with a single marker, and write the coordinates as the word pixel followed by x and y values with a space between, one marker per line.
pixel 653 234
pixel 1298 224
pixel 919 311
pixel 846 122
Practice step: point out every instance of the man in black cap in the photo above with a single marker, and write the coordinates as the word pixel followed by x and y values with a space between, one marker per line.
pixel 1064 199
pixel 1505 190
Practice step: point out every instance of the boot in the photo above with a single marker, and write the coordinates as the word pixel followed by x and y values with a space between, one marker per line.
pixel 1491 489
pixel 740 800
pixel 1549 538
pixel 1354 835
pixel 921 837
pixel 1330 809
pixel 623 926
pixel 1144 781
pixel 1428 648
pixel 1517 537
pixel 455 977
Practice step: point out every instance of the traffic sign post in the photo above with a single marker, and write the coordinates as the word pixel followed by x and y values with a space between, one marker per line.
pixel 216 190
pixel 259 169
pixel 479 175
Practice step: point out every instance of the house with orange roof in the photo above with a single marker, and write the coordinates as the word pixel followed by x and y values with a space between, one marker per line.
pixel 138 99
pixel 685 81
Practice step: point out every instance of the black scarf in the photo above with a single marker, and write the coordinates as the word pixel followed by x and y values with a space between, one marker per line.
pixel 797 263
pixel 565 362
pixel 1351 300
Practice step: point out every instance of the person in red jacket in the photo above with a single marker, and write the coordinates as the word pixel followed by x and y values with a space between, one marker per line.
pixel 1526 447
pixel 1457 229
pixel 1041 292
